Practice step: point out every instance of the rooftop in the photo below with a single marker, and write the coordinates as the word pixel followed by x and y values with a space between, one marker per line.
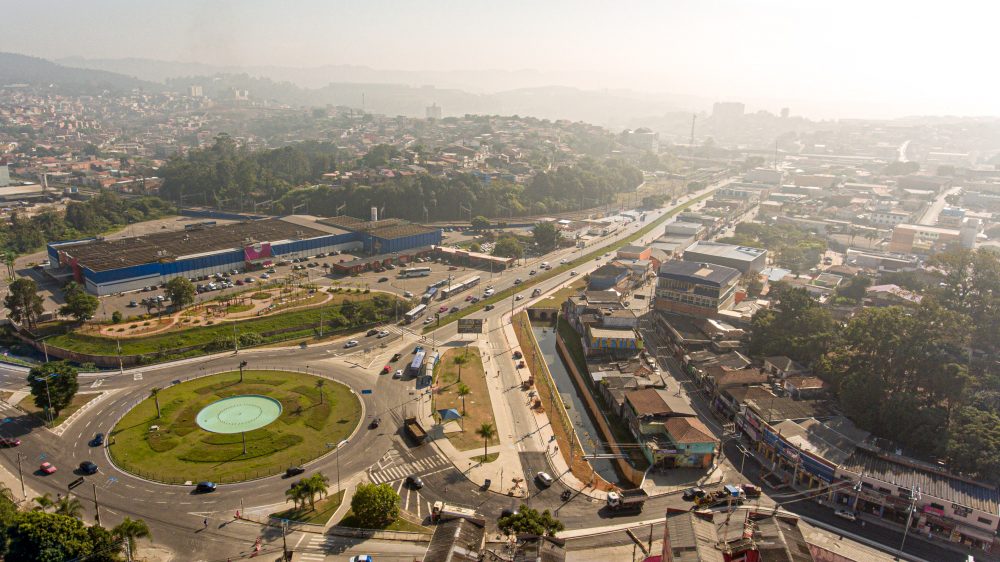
pixel 103 255
pixel 706 274
pixel 948 488
pixel 728 251
pixel 689 430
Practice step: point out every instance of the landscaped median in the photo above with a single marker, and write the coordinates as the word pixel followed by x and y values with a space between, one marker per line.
pixel 467 395
pixel 346 312
pixel 162 437
pixel 556 270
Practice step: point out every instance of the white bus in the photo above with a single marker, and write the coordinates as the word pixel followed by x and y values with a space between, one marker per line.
pixel 417 312
pixel 415 272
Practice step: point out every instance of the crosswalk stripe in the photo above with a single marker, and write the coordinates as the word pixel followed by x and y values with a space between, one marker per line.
pixel 399 487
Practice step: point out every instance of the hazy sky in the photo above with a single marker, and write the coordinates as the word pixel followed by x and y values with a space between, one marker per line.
pixel 901 56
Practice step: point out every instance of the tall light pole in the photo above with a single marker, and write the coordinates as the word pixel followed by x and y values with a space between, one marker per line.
pixel 48 396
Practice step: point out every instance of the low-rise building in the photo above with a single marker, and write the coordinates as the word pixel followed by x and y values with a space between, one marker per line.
pixel 696 289
pixel 742 258
pixel 612 341
pixel 608 277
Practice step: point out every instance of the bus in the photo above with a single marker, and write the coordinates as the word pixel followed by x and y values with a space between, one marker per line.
pixel 415 272
pixel 417 363
pixel 429 295
pixel 459 287
pixel 417 312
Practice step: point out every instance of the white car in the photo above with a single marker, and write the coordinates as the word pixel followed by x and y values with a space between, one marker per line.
pixel 488 293
pixel 562 260
pixel 352 343
pixel 544 479
pixel 382 334
pixel 518 297
pixel 408 294
pixel 846 514
pixel 398 374
pixel 428 320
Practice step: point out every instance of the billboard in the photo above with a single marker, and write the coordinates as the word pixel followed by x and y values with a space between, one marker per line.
pixel 470 325
pixel 255 253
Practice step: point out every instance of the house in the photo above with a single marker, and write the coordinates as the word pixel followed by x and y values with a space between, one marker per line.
pixel 691 536
pixel 720 378
pixel 634 252
pixel 802 386
pixel 692 444
pixel 611 341
pixel 742 258
pixel 782 367
pixel 891 295
pixel 538 548
pixel 609 277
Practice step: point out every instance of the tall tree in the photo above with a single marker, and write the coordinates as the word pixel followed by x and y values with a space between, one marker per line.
pixel 23 301
pixel 530 521
pixel 486 431
pixel 546 236
pixel 55 380
pixel 463 391
pixel 375 505
pixel 79 304
pixel 154 393
pixel 181 292
pixel 129 530
pixel 69 506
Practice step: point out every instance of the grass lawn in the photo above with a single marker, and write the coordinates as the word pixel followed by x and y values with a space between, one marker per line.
pixel 325 508
pixel 399 524
pixel 556 270
pixel 237 308
pixel 203 335
pixel 486 458
pixel 181 451
pixel 479 408
pixel 28 405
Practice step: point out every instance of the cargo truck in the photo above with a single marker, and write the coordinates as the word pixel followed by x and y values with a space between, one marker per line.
pixel 415 430
pixel 627 501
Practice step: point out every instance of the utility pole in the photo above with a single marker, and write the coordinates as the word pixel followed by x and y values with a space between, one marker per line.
pixel 284 539
pixel 694 116
pixel 321 323
pixel 121 366
pixel 236 340
pixel 20 475
pixel 914 496
pixel 97 507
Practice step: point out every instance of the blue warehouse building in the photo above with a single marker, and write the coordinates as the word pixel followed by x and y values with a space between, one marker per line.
pixel 110 266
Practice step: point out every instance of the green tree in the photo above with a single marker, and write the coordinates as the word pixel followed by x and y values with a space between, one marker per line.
pixel 36 536
pixel 508 247
pixel 316 485
pixel 797 327
pixel 61 388
pixel 79 304
pixel 486 431
pixel 69 506
pixel 181 292
pixel 475 247
pixel 546 236
pixel 974 442
pixel 44 502
pixel 855 288
pixel 375 505
pixel 129 530
pixel 23 301
pixel 155 394
pixel 319 388
pixel 530 521
pixel 463 391
pixel 480 223
pixel 116 316
pixel 297 494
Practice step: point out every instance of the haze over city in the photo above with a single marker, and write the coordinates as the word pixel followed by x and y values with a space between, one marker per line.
pixel 849 59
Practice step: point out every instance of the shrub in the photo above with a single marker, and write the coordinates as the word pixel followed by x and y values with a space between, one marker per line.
pixel 116 317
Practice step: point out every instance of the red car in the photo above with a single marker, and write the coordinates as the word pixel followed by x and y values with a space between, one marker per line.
pixel 47 468
pixel 468 298
pixel 9 442
pixel 443 309
pixel 385 370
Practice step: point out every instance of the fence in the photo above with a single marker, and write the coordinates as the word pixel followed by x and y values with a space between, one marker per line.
pixel 122 464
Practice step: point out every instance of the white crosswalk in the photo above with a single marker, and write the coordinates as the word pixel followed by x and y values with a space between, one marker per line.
pixel 387 473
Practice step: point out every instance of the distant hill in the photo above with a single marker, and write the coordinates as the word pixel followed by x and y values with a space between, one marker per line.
pixel 22 69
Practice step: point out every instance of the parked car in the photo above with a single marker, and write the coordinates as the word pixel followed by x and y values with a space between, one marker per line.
pixel 9 442
pixel 205 487
pixel 692 494
pixel 132 304
pixel 398 374
pixel 47 468
pixel 386 369
pixel 474 300
pixel 518 355
pixel 87 467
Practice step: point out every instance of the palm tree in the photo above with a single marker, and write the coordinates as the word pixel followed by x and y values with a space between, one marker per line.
pixel 296 494
pixel 319 386
pixel 316 484
pixel 486 431
pixel 8 260
pixel 156 400
pixel 463 391
pixel 70 507
pixel 129 530
pixel 44 502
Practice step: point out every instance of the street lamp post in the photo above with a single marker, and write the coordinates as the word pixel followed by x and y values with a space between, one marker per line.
pixel 48 396
pixel 914 496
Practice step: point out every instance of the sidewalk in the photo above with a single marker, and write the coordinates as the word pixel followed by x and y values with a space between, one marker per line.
pixel 10 479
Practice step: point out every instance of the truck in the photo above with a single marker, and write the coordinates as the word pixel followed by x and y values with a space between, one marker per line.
pixel 415 430
pixel 728 495
pixel 627 501
pixel 441 510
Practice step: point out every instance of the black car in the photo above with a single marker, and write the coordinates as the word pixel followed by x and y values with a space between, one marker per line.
pixel 205 487
pixel 88 467
pixel 383 279
pixel 98 440
pixel 372 332
pixel 490 307
pixel 692 494
pixel 294 471
pixel 414 482
pixel 395 357
pixel 374 424
pixel 518 355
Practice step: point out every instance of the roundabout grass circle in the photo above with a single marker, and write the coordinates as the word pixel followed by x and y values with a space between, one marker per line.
pixel 309 412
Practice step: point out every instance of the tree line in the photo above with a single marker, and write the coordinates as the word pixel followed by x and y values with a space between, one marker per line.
pixel 793 248
pixel 925 377
pixel 233 177
pixel 106 211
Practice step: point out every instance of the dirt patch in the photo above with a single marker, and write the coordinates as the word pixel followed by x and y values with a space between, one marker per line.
pixel 478 408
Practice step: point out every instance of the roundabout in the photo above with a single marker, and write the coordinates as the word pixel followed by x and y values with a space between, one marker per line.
pixel 226 428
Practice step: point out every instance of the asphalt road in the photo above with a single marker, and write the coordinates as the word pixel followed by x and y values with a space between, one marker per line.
pixel 176 515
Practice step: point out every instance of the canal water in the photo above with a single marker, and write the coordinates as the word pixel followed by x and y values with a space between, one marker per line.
pixel 584 425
